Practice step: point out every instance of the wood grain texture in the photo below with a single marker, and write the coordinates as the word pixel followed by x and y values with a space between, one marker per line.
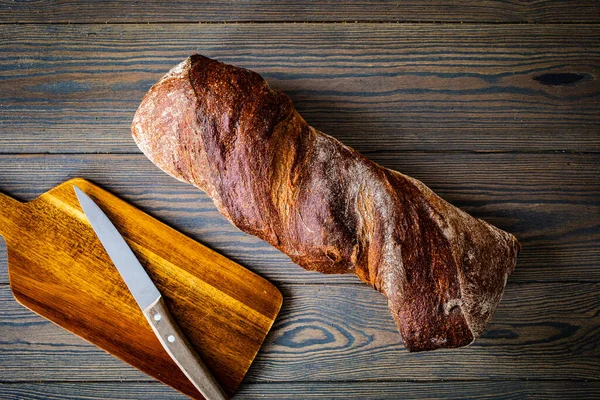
pixel 341 333
pixel 542 390
pixel 286 11
pixel 505 390
pixel 59 269
pixel 551 203
pixel 429 87
pixel 90 391
pixel 52 345
pixel 539 330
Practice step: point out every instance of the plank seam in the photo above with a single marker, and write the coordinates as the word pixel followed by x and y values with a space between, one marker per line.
pixel 153 381
pixel 364 152
pixel 329 22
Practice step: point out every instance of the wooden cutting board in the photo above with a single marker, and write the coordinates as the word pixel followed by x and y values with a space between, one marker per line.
pixel 58 268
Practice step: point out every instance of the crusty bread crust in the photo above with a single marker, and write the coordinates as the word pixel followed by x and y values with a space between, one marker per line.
pixel 222 129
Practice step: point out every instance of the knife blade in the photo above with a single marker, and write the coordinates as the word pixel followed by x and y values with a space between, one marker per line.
pixel 150 301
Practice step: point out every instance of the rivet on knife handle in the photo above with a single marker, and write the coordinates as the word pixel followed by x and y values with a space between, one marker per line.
pixel 181 351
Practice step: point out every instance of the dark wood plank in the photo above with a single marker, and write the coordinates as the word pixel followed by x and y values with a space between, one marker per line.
pixel 75 88
pixel 91 391
pixel 505 390
pixel 550 202
pixel 289 10
pixel 543 390
pixel 345 333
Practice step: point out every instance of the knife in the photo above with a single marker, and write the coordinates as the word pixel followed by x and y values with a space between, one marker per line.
pixel 150 301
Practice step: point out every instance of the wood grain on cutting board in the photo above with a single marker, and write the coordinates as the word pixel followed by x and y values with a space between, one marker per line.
pixel 59 269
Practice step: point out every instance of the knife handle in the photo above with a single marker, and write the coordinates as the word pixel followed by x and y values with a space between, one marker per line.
pixel 181 351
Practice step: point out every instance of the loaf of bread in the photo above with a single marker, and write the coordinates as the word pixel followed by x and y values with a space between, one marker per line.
pixel 224 130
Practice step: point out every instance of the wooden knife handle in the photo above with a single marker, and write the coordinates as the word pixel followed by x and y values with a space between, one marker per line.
pixel 181 351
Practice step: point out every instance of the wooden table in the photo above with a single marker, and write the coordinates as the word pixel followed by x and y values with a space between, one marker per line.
pixel 497 109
